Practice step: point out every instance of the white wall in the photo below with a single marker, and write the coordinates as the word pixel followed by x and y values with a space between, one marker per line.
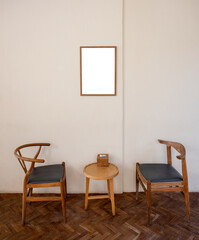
pixel 161 72
pixel 40 85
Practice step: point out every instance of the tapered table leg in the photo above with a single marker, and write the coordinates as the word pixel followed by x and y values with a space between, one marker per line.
pixel 112 196
pixel 108 187
pixel 86 195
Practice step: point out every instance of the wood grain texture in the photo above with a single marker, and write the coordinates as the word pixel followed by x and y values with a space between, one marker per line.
pixel 100 173
pixel 44 220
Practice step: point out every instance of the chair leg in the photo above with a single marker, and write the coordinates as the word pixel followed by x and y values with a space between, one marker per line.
pixel 65 188
pixel 148 196
pixel 24 205
pixel 63 200
pixel 171 193
pixel 137 185
pixel 30 193
pixel 186 195
pixel 65 185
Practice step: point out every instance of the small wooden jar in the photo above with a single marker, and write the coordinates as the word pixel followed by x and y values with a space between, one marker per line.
pixel 102 160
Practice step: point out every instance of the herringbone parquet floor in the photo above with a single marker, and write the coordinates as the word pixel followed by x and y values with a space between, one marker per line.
pixel 44 220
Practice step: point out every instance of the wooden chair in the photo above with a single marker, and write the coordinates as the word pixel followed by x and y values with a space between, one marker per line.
pixel 163 177
pixel 44 176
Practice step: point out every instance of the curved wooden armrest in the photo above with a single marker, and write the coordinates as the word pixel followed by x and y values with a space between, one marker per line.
pixel 29 159
pixel 180 157
pixel 163 141
pixel 177 146
pixel 33 160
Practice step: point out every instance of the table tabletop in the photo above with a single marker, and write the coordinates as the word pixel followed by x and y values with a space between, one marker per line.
pixel 100 173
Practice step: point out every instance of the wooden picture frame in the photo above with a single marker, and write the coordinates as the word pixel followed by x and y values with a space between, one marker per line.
pixel 98 70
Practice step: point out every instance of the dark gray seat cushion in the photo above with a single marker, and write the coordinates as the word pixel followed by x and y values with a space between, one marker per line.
pixel 46 174
pixel 157 172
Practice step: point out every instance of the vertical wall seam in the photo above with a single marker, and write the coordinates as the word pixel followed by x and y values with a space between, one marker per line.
pixel 123 134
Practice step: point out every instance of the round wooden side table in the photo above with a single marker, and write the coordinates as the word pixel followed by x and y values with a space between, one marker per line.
pixel 92 171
